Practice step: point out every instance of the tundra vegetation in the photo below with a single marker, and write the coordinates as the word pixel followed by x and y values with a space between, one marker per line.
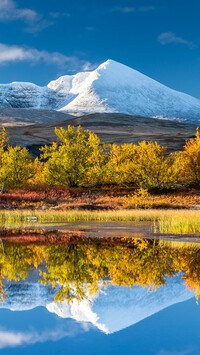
pixel 77 270
pixel 78 159
pixel 164 222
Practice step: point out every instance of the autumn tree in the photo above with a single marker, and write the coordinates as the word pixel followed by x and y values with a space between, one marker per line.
pixel 3 141
pixel 187 163
pixel 120 165
pixel 16 164
pixel 16 167
pixel 145 165
pixel 152 168
pixel 75 160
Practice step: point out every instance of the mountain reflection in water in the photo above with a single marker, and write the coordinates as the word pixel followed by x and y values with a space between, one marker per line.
pixel 111 283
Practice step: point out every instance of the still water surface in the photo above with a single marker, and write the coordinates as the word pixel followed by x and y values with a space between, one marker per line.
pixel 123 294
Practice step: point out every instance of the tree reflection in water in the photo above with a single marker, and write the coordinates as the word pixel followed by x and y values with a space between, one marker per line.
pixel 77 269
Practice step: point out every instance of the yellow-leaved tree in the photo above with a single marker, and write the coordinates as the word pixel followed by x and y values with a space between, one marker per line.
pixel 75 160
pixel 187 163
pixel 120 165
pixel 16 164
pixel 16 168
pixel 152 166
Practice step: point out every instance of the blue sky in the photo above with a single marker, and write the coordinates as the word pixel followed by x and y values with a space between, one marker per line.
pixel 173 331
pixel 41 40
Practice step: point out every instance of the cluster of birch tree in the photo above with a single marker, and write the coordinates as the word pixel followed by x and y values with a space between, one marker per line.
pixel 78 158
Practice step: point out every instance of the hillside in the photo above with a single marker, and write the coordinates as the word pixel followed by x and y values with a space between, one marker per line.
pixel 111 128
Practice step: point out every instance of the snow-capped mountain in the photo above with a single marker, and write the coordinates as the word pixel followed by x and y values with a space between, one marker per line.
pixel 112 87
pixel 111 310
pixel 28 95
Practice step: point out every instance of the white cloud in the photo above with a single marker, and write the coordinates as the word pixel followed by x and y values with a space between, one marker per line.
pixel 87 66
pixel 14 53
pixel 170 37
pixel 10 11
pixel 13 339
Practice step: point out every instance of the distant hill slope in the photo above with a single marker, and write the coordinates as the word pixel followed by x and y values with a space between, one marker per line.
pixel 110 127
pixel 112 87
pixel 23 117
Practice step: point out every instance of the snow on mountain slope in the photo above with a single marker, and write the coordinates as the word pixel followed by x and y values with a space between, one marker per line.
pixel 112 87
pixel 116 308
pixel 28 95
pixel 56 94
pixel 112 309
pixel 69 84
pixel 67 87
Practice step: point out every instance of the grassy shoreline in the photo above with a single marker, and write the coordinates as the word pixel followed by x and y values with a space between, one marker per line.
pixel 164 221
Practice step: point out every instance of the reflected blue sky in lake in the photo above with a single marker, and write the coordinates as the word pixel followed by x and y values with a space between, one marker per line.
pixel 157 315
pixel 174 330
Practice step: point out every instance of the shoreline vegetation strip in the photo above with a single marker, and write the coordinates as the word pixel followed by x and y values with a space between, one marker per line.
pixel 163 221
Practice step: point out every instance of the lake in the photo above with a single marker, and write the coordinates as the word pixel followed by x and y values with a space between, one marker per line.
pixel 98 288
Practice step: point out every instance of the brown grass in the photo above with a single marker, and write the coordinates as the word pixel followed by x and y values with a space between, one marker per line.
pixel 107 198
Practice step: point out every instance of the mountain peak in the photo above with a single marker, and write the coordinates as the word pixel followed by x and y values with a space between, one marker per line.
pixel 111 64
pixel 112 87
pixel 115 87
